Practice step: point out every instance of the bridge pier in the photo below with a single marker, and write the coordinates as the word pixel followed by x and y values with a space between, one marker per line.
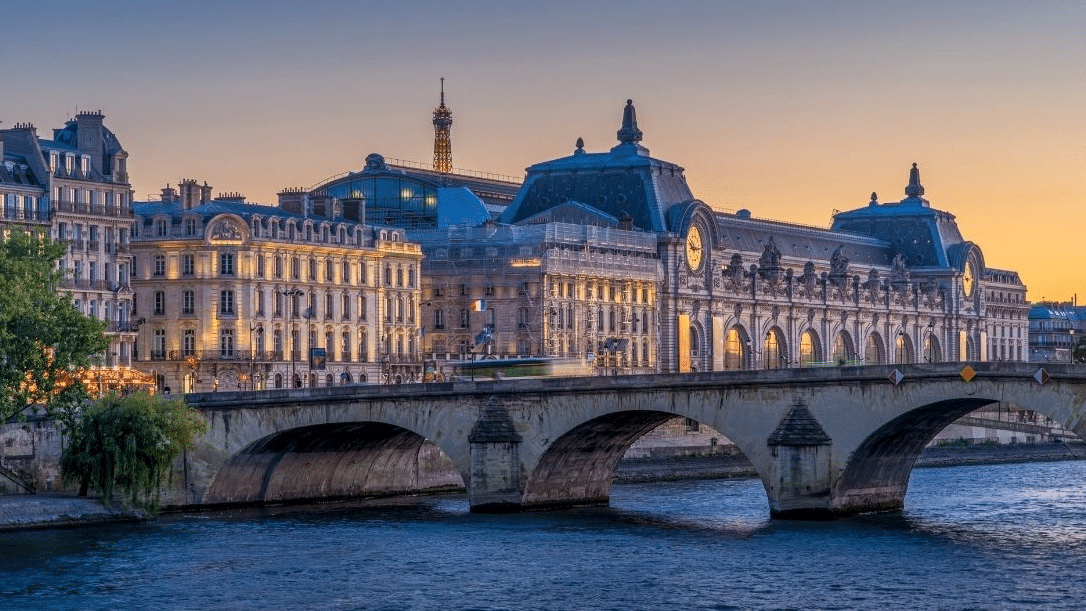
pixel 798 483
pixel 494 486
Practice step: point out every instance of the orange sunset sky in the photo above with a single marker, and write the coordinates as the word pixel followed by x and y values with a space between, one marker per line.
pixel 788 109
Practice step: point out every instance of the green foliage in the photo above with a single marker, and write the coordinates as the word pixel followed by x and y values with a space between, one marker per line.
pixel 43 338
pixel 128 442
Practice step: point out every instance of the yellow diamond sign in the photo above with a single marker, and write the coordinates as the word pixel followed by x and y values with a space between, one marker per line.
pixel 968 373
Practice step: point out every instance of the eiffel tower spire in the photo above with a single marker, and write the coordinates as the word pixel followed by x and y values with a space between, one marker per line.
pixel 442 138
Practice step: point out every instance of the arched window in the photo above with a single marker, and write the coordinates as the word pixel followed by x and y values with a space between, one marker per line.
pixel 842 348
pixel 278 380
pixel 932 354
pixel 903 349
pixel 733 350
pixel 809 350
pixel 873 350
pixel 773 350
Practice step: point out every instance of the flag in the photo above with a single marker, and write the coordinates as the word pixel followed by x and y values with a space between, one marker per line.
pixel 478 305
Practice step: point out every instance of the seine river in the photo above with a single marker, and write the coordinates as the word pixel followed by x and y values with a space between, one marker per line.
pixel 990 537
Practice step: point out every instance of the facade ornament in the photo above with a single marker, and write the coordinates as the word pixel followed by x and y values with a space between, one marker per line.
pixel 872 285
pixel 808 282
pixel 226 230
pixel 734 274
pixel 838 262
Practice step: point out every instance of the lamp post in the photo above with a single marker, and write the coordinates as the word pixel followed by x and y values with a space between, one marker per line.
pixel 253 326
pixel 931 343
pixel 292 294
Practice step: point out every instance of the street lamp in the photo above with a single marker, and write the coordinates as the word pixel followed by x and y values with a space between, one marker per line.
pixel 292 294
pixel 253 326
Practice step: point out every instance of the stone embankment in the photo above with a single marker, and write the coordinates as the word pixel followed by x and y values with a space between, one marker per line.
pixel 26 511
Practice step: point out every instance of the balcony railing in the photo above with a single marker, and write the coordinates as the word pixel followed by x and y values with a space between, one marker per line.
pixel 115 210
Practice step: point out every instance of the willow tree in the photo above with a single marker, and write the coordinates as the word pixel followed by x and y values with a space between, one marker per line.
pixel 128 442
pixel 44 339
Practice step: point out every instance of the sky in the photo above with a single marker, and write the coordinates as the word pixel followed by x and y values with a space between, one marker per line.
pixel 789 109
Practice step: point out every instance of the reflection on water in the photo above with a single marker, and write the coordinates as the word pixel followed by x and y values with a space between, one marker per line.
pixel 993 537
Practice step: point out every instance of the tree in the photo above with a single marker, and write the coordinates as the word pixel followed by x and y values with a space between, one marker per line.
pixel 128 442
pixel 44 339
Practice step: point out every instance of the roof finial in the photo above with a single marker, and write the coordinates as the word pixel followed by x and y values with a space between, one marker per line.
pixel 915 189
pixel 629 134
pixel 580 147
pixel 442 91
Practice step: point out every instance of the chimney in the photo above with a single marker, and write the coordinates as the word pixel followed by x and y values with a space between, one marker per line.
pixel 291 199
pixel 190 194
pixel 235 197
pixel 169 195
pixel 91 137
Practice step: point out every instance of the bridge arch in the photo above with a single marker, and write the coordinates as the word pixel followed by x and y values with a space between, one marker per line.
pixel 328 461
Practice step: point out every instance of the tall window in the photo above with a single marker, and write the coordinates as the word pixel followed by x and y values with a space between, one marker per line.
pixel 278 267
pixel 346 306
pixel 329 271
pixel 188 265
pixel 362 272
pixel 439 319
pixel 160 265
pixel 226 343
pixel 160 228
pixel 345 346
pixel 345 274
pixel 188 302
pixel 188 342
pixel 158 350
pixel 226 264
pixel 190 227
pixel 160 303
pixel 226 301
pixel 329 306
pixel 260 302
pixel 259 266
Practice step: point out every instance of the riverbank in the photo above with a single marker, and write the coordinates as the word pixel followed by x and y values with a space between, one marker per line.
pixel 24 512
pixel 28 511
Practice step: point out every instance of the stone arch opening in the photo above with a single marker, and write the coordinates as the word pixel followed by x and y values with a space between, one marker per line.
pixel 843 350
pixel 579 467
pixel 903 349
pixel 333 462
pixel 876 477
pixel 774 349
pixel 810 348
pixel 874 352
pixel 735 349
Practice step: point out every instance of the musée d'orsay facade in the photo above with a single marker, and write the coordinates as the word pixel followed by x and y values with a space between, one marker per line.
pixel 610 255
pixel 606 256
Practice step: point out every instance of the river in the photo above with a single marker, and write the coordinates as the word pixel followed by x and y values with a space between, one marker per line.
pixel 980 537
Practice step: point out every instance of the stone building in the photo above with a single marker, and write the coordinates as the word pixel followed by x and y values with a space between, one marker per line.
pixel 75 185
pixel 610 256
pixel 234 295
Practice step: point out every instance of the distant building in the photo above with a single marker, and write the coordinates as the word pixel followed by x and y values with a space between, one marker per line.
pixel 75 186
pixel 1055 329
pixel 233 295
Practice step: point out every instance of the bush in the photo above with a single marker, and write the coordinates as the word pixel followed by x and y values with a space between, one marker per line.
pixel 128 442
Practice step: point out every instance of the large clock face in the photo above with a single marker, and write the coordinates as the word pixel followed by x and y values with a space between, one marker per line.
pixel 693 248
pixel 968 279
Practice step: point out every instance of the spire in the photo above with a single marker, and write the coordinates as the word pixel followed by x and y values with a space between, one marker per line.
pixel 915 189
pixel 629 134
pixel 442 137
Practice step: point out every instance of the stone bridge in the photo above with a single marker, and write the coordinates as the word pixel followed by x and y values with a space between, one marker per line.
pixel 825 441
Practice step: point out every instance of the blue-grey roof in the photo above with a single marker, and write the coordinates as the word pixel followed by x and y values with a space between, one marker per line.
pixel 926 237
pixel 625 183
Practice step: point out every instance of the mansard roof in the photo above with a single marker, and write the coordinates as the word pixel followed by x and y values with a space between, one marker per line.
pixel 624 182
pixel 926 237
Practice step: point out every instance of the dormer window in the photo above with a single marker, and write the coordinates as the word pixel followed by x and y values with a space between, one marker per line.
pixel 160 228
pixel 84 164
pixel 190 227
